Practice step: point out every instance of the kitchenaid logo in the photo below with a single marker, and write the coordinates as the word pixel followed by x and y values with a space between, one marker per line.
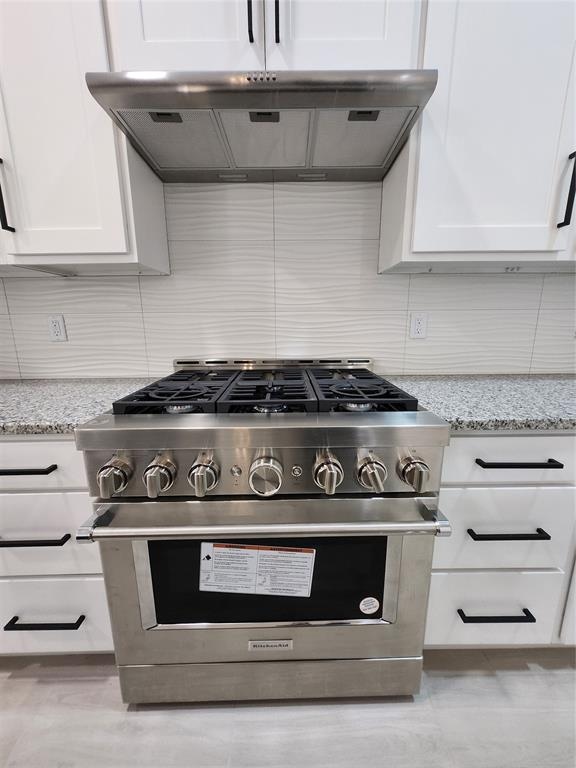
pixel 270 645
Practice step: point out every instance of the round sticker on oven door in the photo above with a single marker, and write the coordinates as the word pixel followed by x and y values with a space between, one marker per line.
pixel 369 605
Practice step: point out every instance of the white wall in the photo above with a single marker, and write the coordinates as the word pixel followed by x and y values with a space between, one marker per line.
pixel 280 270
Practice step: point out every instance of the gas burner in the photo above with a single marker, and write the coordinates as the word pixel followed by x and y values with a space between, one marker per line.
pixel 182 392
pixel 358 390
pixel 281 390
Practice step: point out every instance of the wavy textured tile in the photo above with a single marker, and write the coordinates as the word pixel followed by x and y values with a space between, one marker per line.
pixel 198 334
pixel 336 274
pixel 214 276
pixel 331 210
pixel 473 342
pixel 219 211
pixel 99 345
pixel 379 335
pixel 8 360
pixel 559 292
pixel 555 346
pixel 467 292
pixel 74 295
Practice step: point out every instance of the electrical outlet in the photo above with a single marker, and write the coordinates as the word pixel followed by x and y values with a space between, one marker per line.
pixel 57 328
pixel 418 325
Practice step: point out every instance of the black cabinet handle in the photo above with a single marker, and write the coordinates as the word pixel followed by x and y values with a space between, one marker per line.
pixel 4 543
pixel 41 471
pixel 277 21
pixel 3 219
pixel 549 464
pixel 14 626
pixel 571 194
pixel 540 535
pixel 526 618
pixel 250 27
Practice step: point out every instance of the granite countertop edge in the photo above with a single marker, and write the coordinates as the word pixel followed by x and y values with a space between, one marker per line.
pixel 469 403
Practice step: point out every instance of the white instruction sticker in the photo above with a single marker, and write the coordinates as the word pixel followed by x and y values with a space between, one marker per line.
pixel 369 605
pixel 254 569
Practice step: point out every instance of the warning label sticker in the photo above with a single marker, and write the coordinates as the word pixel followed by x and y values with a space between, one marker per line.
pixel 256 570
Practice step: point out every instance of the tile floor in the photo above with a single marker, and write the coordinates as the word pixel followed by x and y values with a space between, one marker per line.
pixel 477 709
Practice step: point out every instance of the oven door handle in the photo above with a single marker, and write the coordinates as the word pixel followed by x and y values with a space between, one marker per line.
pixel 103 526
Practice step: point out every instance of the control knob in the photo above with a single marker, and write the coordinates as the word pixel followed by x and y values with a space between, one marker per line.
pixel 415 472
pixel 372 473
pixel 204 474
pixel 113 477
pixel 328 472
pixel 159 475
pixel 265 476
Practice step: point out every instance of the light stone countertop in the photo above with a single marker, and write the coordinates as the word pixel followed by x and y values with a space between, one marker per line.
pixel 469 403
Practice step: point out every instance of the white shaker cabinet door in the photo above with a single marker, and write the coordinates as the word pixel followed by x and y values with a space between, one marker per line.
pixel 494 167
pixel 186 34
pixel 60 175
pixel 342 34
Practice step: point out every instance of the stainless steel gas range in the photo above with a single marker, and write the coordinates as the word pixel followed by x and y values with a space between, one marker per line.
pixel 266 530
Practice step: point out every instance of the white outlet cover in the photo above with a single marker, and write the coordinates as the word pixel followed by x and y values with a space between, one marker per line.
pixel 57 328
pixel 418 325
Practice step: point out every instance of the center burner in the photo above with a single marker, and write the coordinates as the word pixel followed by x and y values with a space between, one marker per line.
pixel 182 392
pixel 283 390
pixel 358 390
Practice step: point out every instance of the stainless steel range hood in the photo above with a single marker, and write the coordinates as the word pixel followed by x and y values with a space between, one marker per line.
pixel 289 126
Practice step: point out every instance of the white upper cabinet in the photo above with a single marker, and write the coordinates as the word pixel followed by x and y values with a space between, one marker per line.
pixel 341 34
pixel 59 176
pixel 68 178
pixel 494 168
pixel 186 34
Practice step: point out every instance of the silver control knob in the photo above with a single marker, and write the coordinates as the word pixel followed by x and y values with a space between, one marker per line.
pixel 204 474
pixel 159 475
pixel 113 477
pixel 372 474
pixel 265 477
pixel 415 472
pixel 328 472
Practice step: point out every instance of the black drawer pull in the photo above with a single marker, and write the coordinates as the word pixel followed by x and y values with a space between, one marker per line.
pixel 526 618
pixel 250 27
pixel 571 195
pixel 3 218
pixel 549 464
pixel 277 21
pixel 540 535
pixel 41 471
pixel 35 542
pixel 14 626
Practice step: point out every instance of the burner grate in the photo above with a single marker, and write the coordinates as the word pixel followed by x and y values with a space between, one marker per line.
pixel 182 392
pixel 269 391
pixel 358 390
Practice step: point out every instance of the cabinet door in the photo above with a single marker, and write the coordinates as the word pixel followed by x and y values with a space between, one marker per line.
pixel 186 34
pixel 341 34
pixel 494 168
pixel 60 176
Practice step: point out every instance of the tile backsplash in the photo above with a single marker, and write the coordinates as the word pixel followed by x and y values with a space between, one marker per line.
pixel 284 270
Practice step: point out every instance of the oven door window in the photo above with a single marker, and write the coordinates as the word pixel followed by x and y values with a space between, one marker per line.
pixel 347 583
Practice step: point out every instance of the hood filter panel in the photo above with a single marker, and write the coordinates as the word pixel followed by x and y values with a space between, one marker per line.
pixel 191 142
pixel 349 138
pixel 267 140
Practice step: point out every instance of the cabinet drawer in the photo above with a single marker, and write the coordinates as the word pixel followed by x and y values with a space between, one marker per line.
pixel 493 594
pixel 460 465
pixel 54 600
pixel 506 511
pixel 43 521
pixel 40 456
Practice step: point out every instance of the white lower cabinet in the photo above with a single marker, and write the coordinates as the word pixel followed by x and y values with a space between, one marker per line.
pixel 40 464
pixel 37 535
pixel 32 605
pixel 491 596
pixel 544 513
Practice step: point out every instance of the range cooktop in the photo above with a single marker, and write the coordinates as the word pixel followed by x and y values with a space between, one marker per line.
pixel 267 390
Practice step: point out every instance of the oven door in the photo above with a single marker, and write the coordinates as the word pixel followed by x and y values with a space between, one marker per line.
pixel 242 580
